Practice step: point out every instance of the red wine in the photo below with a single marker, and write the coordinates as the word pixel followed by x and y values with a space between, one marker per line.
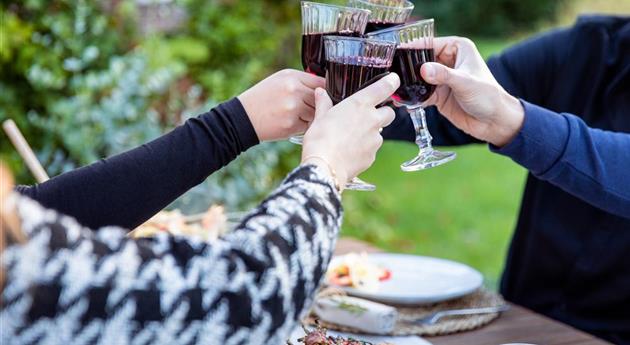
pixel 375 26
pixel 313 58
pixel 413 89
pixel 346 76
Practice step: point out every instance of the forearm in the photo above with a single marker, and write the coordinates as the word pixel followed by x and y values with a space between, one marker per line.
pixel 589 163
pixel 127 189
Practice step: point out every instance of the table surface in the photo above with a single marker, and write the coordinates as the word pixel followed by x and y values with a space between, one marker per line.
pixel 517 325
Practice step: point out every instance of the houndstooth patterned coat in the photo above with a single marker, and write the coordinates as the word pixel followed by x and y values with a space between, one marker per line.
pixel 72 285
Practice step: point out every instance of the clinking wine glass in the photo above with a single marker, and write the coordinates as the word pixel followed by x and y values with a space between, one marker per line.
pixel 385 13
pixel 320 20
pixel 415 47
pixel 351 64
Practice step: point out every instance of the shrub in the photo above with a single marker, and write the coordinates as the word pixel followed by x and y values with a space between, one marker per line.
pixel 84 82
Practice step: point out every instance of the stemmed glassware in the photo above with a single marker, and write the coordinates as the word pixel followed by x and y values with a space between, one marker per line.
pixel 385 13
pixel 351 64
pixel 320 20
pixel 415 47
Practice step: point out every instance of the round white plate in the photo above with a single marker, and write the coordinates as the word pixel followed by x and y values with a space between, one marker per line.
pixel 419 279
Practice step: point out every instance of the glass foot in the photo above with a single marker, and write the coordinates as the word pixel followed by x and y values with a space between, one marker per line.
pixel 428 159
pixel 360 185
pixel 297 139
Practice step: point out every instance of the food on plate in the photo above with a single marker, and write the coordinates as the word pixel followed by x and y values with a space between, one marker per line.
pixel 318 336
pixel 356 270
pixel 209 226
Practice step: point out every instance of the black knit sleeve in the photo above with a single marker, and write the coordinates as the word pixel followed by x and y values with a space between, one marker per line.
pixel 127 189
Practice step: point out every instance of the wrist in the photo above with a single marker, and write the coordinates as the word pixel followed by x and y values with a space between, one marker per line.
pixel 339 177
pixel 250 106
pixel 508 120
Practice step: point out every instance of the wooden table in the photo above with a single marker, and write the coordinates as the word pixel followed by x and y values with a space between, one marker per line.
pixel 517 325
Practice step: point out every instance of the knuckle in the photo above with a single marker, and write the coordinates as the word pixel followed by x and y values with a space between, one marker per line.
pixel 290 86
pixel 288 124
pixel 290 105
pixel 390 114
pixel 465 41
pixel 372 158
pixel 379 141
pixel 354 102
pixel 285 72
pixel 443 74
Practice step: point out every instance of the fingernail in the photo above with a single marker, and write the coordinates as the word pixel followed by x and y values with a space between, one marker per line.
pixel 429 71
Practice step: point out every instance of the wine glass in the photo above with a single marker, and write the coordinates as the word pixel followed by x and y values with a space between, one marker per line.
pixel 351 64
pixel 385 13
pixel 320 20
pixel 415 47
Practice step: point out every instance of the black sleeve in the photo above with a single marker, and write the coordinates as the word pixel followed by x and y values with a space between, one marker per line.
pixel 127 189
pixel 525 70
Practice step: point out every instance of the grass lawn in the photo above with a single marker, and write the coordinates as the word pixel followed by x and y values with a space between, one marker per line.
pixel 464 210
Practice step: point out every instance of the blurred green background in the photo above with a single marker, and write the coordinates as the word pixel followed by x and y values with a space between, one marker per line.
pixel 87 79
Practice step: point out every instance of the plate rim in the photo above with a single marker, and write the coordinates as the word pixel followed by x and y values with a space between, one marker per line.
pixel 413 300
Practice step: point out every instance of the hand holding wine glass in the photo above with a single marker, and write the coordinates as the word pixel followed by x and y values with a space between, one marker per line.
pixel 415 48
pixel 282 104
pixel 469 95
pixel 347 135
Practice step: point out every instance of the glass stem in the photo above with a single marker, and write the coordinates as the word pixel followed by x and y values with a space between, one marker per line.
pixel 423 137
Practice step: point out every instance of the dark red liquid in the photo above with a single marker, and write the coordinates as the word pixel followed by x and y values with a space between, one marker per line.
pixel 375 26
pixel 343 78
pixel 313 58
pixel 413 89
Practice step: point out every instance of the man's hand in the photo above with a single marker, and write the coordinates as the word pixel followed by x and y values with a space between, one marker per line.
pixel 468 95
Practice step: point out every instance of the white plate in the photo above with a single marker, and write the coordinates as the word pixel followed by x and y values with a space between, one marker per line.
pixel 419 279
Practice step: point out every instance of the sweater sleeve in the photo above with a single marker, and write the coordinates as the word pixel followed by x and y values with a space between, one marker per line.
pixel 127 189
pixel 69 284
pixel 588 163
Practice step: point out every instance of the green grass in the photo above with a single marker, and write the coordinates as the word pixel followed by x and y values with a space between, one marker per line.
pixel 464 210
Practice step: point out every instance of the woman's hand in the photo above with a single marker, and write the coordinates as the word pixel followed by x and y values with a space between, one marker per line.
pixel 468 95
pixel 281 105
pixel 347 135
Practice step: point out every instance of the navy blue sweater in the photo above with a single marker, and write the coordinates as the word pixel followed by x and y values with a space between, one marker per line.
pixel 570 254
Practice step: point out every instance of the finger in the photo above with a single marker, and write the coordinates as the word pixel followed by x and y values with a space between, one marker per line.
pixel 312 81
pixel 438 74
pixel 307 95
pixel 449 49
pixel 386 116
pixel 300 127
pixel 306 113
pixel 435 97
pixel 323 103
pixel 378 92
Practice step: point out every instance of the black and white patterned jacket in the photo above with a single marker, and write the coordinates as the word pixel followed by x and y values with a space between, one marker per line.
pixel 72 285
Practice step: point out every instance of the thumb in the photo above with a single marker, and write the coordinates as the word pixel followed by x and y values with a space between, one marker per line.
pixel 438 74
pixel 323 103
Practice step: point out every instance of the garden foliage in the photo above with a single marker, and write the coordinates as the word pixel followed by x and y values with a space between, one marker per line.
pixel 88 79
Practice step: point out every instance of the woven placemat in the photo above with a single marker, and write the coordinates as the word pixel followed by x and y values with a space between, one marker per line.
pixel 446 325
